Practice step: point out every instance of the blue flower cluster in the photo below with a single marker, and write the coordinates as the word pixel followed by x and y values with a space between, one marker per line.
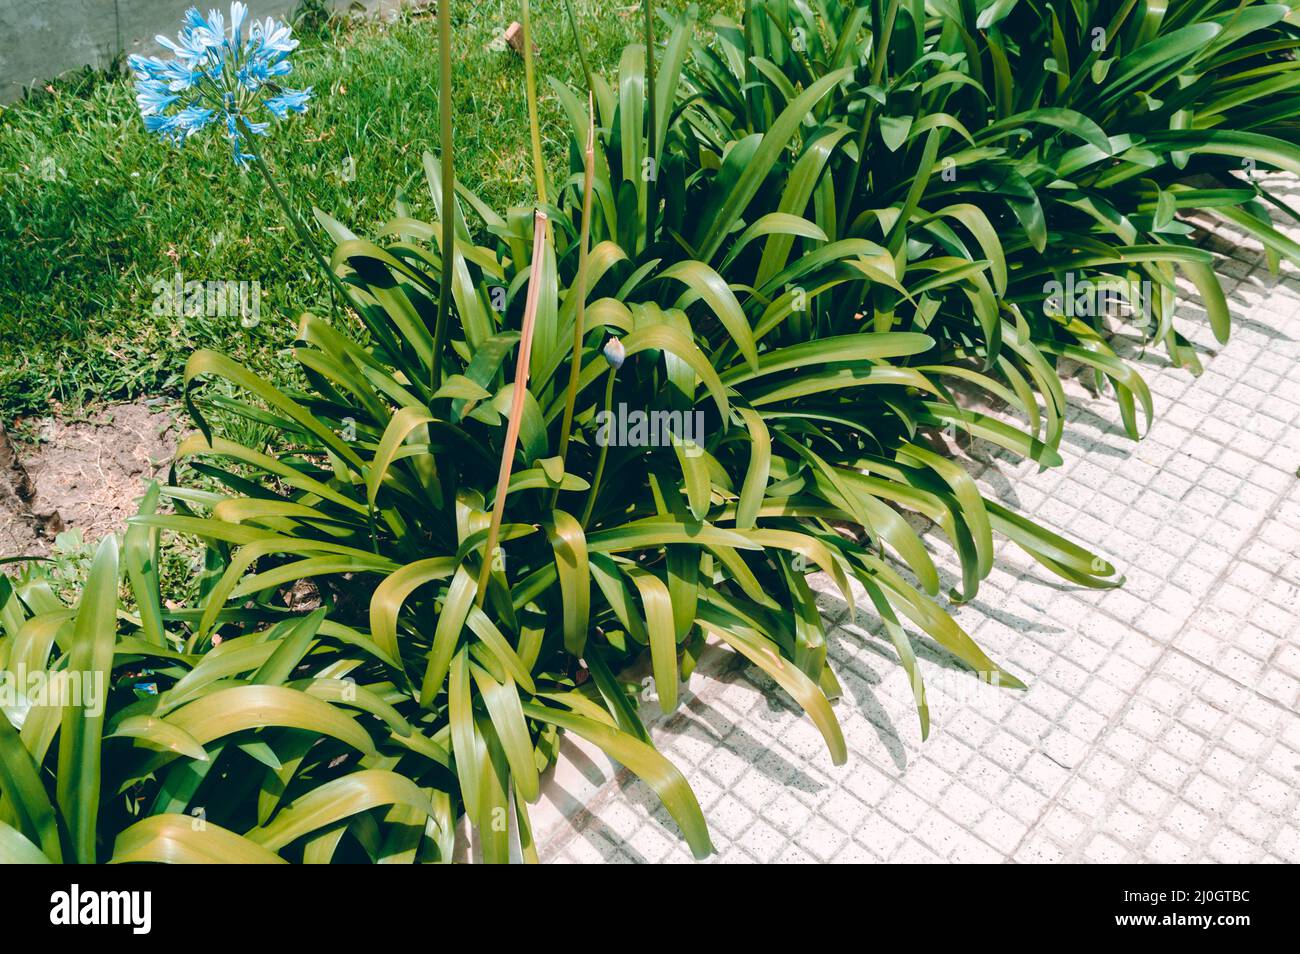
pixel 215 76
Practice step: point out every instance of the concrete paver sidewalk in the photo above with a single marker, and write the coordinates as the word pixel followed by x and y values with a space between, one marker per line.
pixel 1160 721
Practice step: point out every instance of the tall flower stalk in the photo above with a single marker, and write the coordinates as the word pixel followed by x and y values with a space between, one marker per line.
pixel 336 286
pixel 651 196
pixel 530 84
pixel 448 211
pixel 615 355
pixel 577 40
pixel 580 286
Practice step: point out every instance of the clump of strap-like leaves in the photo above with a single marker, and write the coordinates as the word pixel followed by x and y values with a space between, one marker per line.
pixel 764 226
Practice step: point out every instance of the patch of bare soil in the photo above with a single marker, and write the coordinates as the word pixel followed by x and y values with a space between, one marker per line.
pixel 88 473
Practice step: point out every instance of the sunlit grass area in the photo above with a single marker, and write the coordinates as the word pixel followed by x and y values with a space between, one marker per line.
pixel 94 213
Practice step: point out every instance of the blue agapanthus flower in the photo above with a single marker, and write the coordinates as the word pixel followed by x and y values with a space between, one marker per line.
pixel 219 76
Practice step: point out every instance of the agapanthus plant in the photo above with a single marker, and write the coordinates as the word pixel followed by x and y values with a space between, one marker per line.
pixel 219 77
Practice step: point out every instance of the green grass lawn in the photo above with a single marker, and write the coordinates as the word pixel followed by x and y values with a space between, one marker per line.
pixel 93 212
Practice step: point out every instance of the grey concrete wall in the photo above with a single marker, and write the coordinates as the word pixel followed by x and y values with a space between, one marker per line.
pixel 41 39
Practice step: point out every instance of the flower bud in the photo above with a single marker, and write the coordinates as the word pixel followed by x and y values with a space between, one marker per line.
pixel 615 353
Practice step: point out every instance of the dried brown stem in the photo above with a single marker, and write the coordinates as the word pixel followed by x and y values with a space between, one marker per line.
pixel 516 402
